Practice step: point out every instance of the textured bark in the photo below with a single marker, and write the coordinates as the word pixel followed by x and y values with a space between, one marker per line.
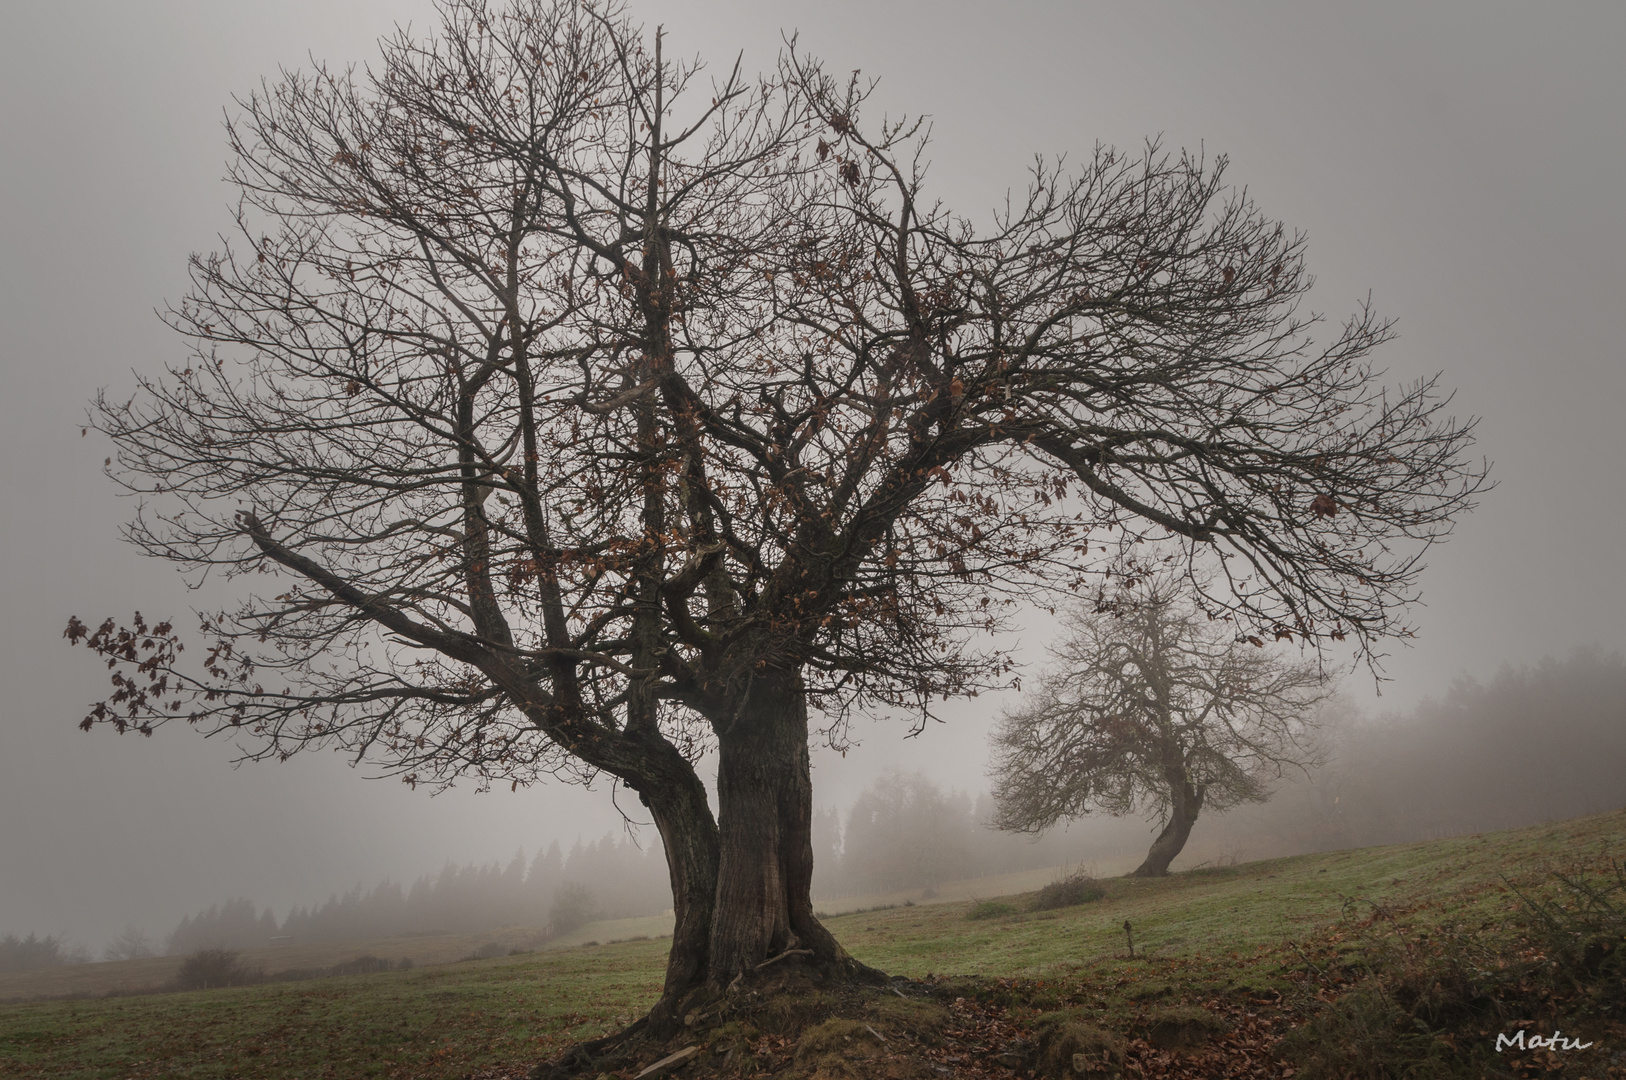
pixel 764 905
pixel 689 835
pixel 1186 801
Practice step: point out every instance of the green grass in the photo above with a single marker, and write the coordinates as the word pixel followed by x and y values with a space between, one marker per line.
pixel 431 1022
pixel 1243 928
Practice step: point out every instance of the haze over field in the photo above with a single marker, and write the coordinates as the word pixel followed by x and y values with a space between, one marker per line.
pixel 1463 164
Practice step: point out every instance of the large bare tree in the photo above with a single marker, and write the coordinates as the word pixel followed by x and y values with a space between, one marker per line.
pixel 565 412
pixel 1152 705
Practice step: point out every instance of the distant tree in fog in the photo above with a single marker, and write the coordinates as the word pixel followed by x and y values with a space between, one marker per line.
pixel 132 944
pixel 573 907
pixel 1153 705
pixel 904 832
pixel 590 415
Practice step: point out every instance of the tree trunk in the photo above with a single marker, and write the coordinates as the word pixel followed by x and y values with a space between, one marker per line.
pixel 1185 800
pixel 689 835
pixel 742 885
pixel 742 882
pixel 764 905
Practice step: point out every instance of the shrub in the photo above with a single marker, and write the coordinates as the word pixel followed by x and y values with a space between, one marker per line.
pixel 1070 891
pixel 489 951
pixel 990 909
pixel 207 969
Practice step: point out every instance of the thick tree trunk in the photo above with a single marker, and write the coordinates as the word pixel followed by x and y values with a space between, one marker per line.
pixel 1186 801
pixel 764 905
pixel 689 834
pixel 742 885
pixel 742 882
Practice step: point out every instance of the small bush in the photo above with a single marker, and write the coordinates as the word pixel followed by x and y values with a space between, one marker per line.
pixel 208 969
pixel 488 951
pixel 1070 891
pixel 990 909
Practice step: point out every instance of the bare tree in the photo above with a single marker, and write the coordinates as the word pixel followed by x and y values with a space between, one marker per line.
pixel 590 417
pixel 132 944
pixel 1153 705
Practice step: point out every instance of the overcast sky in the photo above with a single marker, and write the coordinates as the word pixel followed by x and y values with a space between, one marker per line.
pixel 1463 162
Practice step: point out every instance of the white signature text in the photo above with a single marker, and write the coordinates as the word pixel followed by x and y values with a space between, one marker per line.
pixel 1555 1041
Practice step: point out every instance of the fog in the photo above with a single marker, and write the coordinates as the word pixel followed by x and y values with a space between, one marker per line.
pixel 1463 164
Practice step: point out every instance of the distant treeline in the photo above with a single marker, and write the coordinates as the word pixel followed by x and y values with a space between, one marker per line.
pixel 906 833
pixel 1531 744
pixel 611 878
pixel 32 953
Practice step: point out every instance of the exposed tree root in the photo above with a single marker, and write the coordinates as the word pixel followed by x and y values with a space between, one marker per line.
pixel 792 1024
pixel 760 1020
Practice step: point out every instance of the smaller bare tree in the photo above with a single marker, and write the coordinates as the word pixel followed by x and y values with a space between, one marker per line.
pixel 1154 706
pixel 132 944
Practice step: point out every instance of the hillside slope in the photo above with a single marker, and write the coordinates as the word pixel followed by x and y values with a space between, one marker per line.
pixel 1276 940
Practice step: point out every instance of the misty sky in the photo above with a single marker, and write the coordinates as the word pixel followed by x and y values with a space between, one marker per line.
pixel 1464 163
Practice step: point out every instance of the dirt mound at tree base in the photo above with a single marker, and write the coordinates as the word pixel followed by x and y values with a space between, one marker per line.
pixel 797 1029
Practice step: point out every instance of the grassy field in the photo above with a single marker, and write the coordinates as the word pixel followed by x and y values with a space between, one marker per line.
pixel 146 975
pixel 138 976
pixel 1241 929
